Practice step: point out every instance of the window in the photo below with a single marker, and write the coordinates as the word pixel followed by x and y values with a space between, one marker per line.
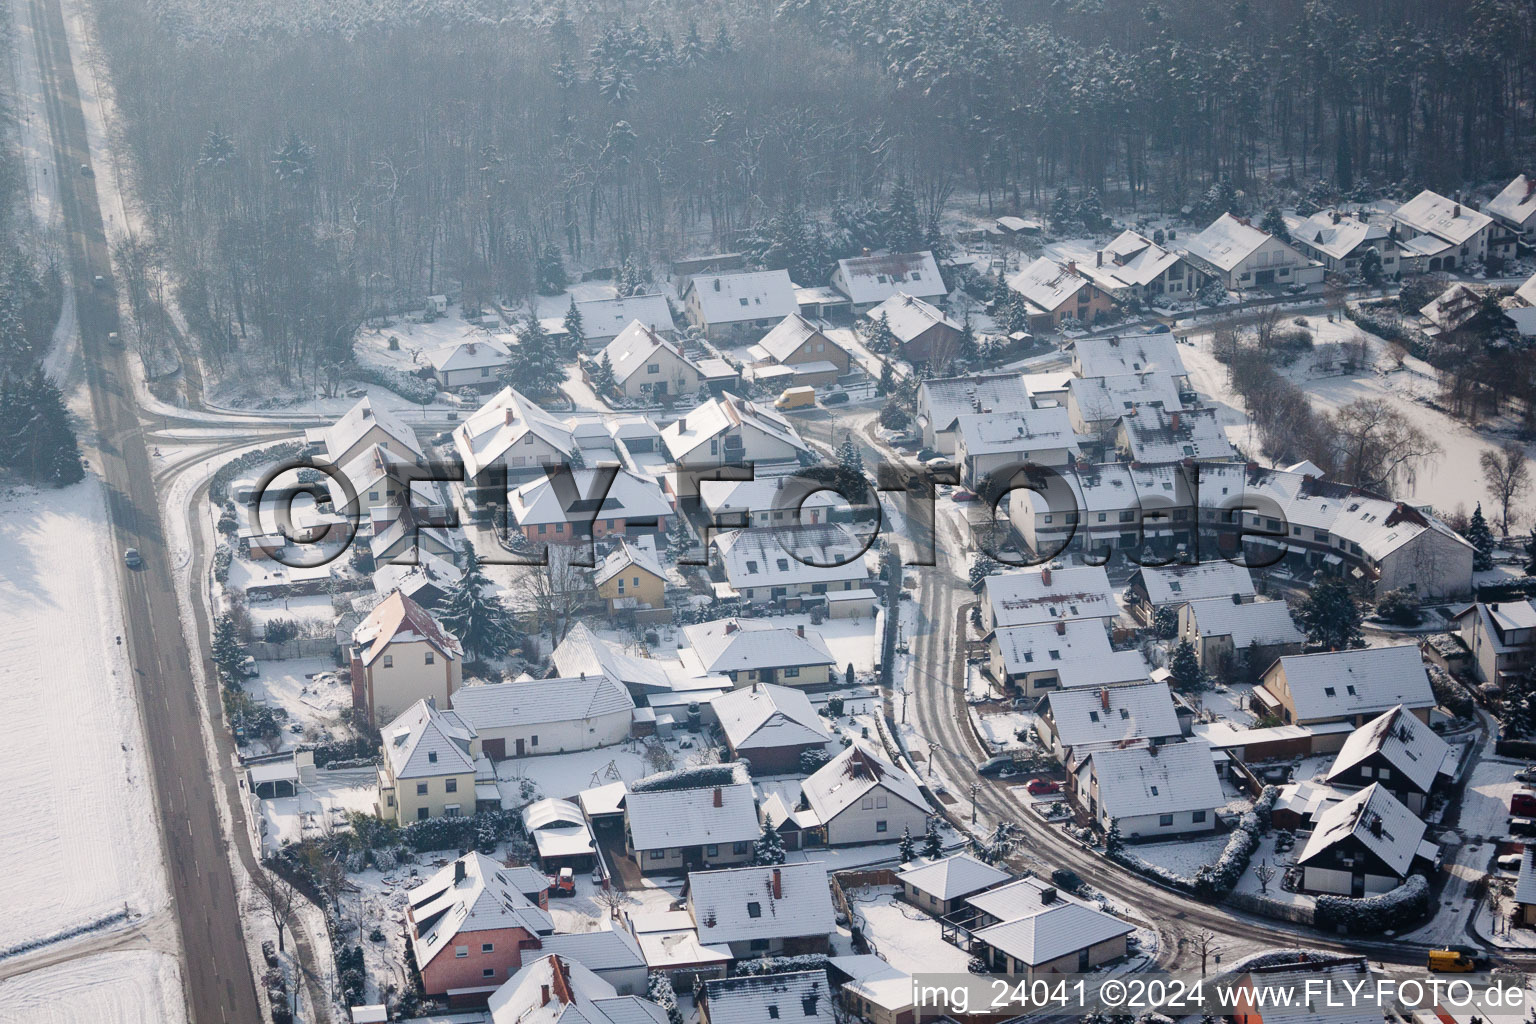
pixel 1384 774
pixel 743 301
pixel 1350 689
pixel 451 786
pixel 1124 714
pixel 389 661
pixel 880 826
pixel 1103 517
pixel 488 972
pixel 868 803
pixel 773 1011
pixel 432 757
pixel 712 851
pixel 390 800
pixel 430 658
pixel 658 854
pixel 373 495
pixel 1164 820
pixel 485 371
pixel 1154 791
pixel 740 848
pixel 881 800
pixel 754 909
pixel 460 951
pixel 1329 691
pixel 534 740
pixel 487 947
pixel 451 811
pixel 421 789
pixel 1127 517
pixel 652 367
pixel 759 944
pixel 1055 655
pixel 1197 816
pixel 792 671
pixel 1366 771
pixel 421 814
pixel 1093 716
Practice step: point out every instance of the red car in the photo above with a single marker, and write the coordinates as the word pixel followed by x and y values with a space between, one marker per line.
pixel 1041 787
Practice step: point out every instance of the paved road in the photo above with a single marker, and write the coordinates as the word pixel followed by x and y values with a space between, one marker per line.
pixel 215 971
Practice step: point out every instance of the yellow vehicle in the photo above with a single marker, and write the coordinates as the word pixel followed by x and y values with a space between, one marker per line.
pixel 1451 961
pixel 796 398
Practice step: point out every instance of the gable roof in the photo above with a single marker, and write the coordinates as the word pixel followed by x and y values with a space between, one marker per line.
pixel 629 554
pixel 948 398
pixel 1138 353
pixel 1525 885
pixel 1054 932
pixel 488 898
pixel 736 645
pixel 1433 214
pixel 909 317
pixel 1378 820
pixel 1131 260
pixel 689 816
pixel 753 295
pixel 635 346
pixel 1413 749
pixel 722 902
pixel 842 781
pixel 503 421
pixel 1338 684
pixel 1107 670
pixel 719 415
pixel 761 494
pixel 871 279
pixel 469 354
pixel 1044 646
pixel 1047 284
pixel 1516 204
pixel 398 618
pixel 1265 623
pixel 377 463
pixel 953 877
pixel 559 990
pixel 423 742
pixel 1226 243
pixel 1021 898
pixel 606 949
pixel 340 437
pixel 765 716
pixel 800 997
pixel 1167 779
pixel 535 701
pixel 1016 430
pixel 1154 434
pixel 572 497
pixel 806 554
pixel 1105 398
pixel 583 652
pixel 788 335
pixel 1527 292
pixel 604 318
pixel 1030 596
pixel 1176 584
pixel 1113 714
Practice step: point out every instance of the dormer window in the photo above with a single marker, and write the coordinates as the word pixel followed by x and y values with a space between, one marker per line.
pixel 1093 716
pixel 1329 691
pixel 754 909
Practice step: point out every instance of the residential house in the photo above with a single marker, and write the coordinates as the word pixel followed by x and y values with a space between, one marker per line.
pixel 1057 294
pixel 546 716
pixel 647 366
pixel 1029 928
pixel 361 427
pixel 1155 435
pixel 427 582
pixel 1239 256
pixel 1154 587
pixel 470 363
pixel 428 768
pixel 469 927
pixel 924 333
pixel 1290 987
pixel 1151 791
pixel 1344 688
pixel 1096 404
pixel 377 478
pixel 1039 658
pixel 1514 208
pixel 509 438
pixel 790 564
pixel 1026 597
pixel 691 818
pixel 754 651
pixel 941 401
pixel 1133 267
pixel 773 910
pixel 1398 751
pixel 1501 637
pixel 1444 234
pixel 1075 723
pixel 671 947
pixel 799 997
pixel 602 320
pixel 610 953
pixel 630 577
pixel 941 886
pixel 728 431
pixel 1140 353
pixel 870 280
pixel 1364 845
pixel 769 727
pixel 583 652
pixel 743 306
pixel 1339 241
pixel 405 535
pixel 859 797
pixel 873 990
pixel 1451 309
pixel 561 990
pixel 1525 888
pixel 766 501
pixel 800 346
pixel 569 507
pixel 1230 634
pixel 989 445
pixel 399 655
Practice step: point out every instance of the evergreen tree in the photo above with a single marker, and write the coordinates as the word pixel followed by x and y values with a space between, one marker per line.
pixel 893 416
pixel 534 368
pixel 1481 538
pixel 878 335
pixel 982 566
pixel 658 989
pixel 228 650
pixel 933 843
pixel 37 437
pixel 1330 617
pixel 770 848
pixel 1165 622
pixel 902 231
pixel 1370 266
pixel 1184 667
pixel 724 45
pixel 601 376
pixel 549 271
pixel 1090 210
pixel 850 463
pixel 483 624
pixel 1063 212
pixel 1274 224
pixel 965 347
pixel 887 381
pixel 907 849
pixel 1113 841
pixel 575 330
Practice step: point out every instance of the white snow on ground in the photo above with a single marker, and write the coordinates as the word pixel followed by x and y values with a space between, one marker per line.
pixel 139 987
pixel 414 340
pixel 1184 856
pixel 307 690
pixel 907 938
pixel 1485 807
pixel 78 840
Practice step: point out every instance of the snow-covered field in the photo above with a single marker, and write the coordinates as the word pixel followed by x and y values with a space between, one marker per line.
pixel 138 987
pixel 78 841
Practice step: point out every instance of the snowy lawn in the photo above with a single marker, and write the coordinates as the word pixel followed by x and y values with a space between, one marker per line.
pixel 314 613
pixel 1485 806
pixel 908 939
pixel 308 690
pixel 414 340
pixel 564 775
pixel 320 808
pixel 1183 857
pixel 1266 854
pixel 1002 728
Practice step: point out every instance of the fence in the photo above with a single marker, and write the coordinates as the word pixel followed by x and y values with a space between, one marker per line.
pixel 300 647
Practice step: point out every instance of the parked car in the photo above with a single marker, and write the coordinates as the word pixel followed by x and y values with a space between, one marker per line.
pixel 835 398
pixel 1522 827
pixel 1523 805
pixel 1453 961
pixel 1000 766
pixel 1068 880
pixel 114 340
pixel 86 171
pixel 1526 774
pixel 964 495
pixel 1510 861
pixel 1043 787
pixel 248 667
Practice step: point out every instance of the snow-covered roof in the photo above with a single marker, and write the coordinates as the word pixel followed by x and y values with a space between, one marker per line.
pixel 788 335
pixel 1527 292
pixel 802 997
pixel 577 497
pixel 1108 670
pixel 1265 623
pixel 487 898
pixel 953 877
pixel 720 415
pixel 1516 204
pixel 1154 434
pixel 429 570
pixel 1108 398
pixel 841 782
pixel 871 279
pixel 1045 646
pixel 1371 680
pixel 1525 886
pixel 1129 260
pixel 1113 714
pixel 754 295
pixel 343 435
pixel 1020 898
pixel 470 354
pixel 1019 430
pixel 1226 243
pixel 792 555
pixel 636 554
pixel 743 645
pixel 1336 234
pixel 766 716
pixel 948 398
pixel 1176 584
pixel 373 465
pixel 875 981
pixel 761 494
pixel 769 902
pixel 1048 284
pixel 556 989
pixel 668 938
pixel 1054 932
pixel 692 816
pixel 605 318
pixel 503 421
pixel 1164 779
pixel 534 701
pixel 423 742
pixel 1453 307
pixel 398 619
pixel 607 949
pixel 1413 749
pixel 1030 596
pixel 635 346
pixel 1378 820
pixel 909 316
pixel 583 652
pixel 1137 353
pixel 1433 214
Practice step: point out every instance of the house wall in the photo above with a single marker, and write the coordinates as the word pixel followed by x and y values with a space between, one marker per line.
pixel 558 737
pixel 860 824
pixel 675 859
pixel 478 376
pixel 572 533
pixel 1431 564
pixel 935 344
pixel 1149 825
pixel 443 794
pixel 448 970
pixel 1376 769
pixel 1340 882
pixel 1100 953
pixel 774 760
pixel 678 376
pixel 796 945
pixel 975 468
pixel 784 675
pixel 400 676
pixel 929 902
pixel 762 595
pixel 636 584
pixel 410 545
pixel 1287 265
pixel 818 348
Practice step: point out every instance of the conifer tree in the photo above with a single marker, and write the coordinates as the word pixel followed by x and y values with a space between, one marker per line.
pixel 908 846
pixel 933 843
pixel 770 848
pixel 1184 667
pixel 1330 617
pixel 1480 536
pixel 575 330
pixel 483 624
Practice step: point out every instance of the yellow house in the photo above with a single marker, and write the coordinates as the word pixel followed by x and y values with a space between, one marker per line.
pixel 428 770
pixel 401 655
pixel 631 577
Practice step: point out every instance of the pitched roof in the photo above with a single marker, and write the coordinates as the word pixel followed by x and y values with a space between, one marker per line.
pixel 1433 214
pixel 1226 243
pixel 1047 284
pixel 534 701
pixel 1020 898
pixel 1338 684
pixel 754 295
pixel 719 415
pixel 607 949
pixel 559 990
pixel 1413 749
pixel 1154 434
pixel 841 782
pixel 583 652
pixel 1103 398
pixel 875 981
pixel 1516 204
pixel 1265 623
pixel 664 818
pixel 871 279
pixel 801 997
pixel 377 463
pixel 788 335
pixel 762 494
pixel 1131 259
pixel 487 898
pixel 1108 670
pixel 1157 780
pixel 1029 596
pixel 1052 933
pixel 953 877
pixel 1525 886
pixel 469 354
pixel 825 553
pixel 423 742
pixel 635 346
pixel 739 645
pixel 764 716
pixel 1137 353
pixel 1378 820
pixel 604 318
pixel 1017 430
pixel 1113 714
pixel 947 398
pixel 1175 584
pixel 722 902
pixel 340 437
pixel 1527 291
pixel 573 497
pixel 399 619
pixel 629 554
pixel 1044 646
pixel 908 316
pixel 503 421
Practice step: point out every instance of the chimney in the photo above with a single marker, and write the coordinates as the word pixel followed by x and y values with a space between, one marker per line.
pixel 1045 576
pixel 1237 598
pixel 778 884
pixel 731 627
pixel 458 871
pixel 1103 698
pixel 1072 266
pixel 470 348
pixel 1061 627
pixel 800 629
pixel 719 798
pixel 1376 826
pixel 1152 750
pixel 1456 211
pixel 511 415
pixel 1048 895
pixel 543 995
pixel 1177 419
pixel 1099 258
pixel 682 424
pixel 717 284
pixel 1530 183
pixel 1336 217
pixel 367 412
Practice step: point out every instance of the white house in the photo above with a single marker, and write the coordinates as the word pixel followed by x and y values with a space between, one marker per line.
pixel 556 988
pixel 469 363
pixel 870 280
pixel 1345 687
pixel 941 401
pixel 1031 929
pixel 1339 241
pixel 511 433
pixel 941 885
pixel 859 797
pixel 1153 587
pixel 546 716
pixel 603 319
pixel 1039 658
pixel 768 565
pixel 755 651
pixel 1075 723
pixel 802 996
pixel 1239 255
pixel 647 365
pixel 1515 206
pixel 1095 404
pixel 1133 266
pixel 728 431
pixel 360 428
pixel 1137 353
pixel 691 818
pixel 1501 637
pixel 1152 791
pixel 765 501
pixel 741 305
pixel 1363 846
pixel 769 726
pixel 987 443
pixel 1223 629
pixel 1445 234
pixel 783 909
pixel 1031 596
pixel 400 654
pixel 1152 434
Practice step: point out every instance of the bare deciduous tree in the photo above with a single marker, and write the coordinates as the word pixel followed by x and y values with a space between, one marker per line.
pixel 1205 945
pixel 1507 474
pixel 613 899
pixel 277 897
pixel 1373 444
pixel 1265 873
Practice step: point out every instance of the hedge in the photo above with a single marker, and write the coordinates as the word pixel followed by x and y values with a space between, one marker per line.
pixel 218 487
pixel 412 389
pixel 1375 915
